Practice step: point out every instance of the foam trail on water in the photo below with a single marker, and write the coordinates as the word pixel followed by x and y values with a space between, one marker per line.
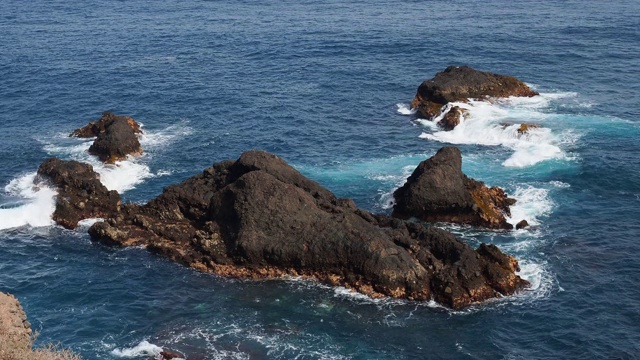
pixel 34 206
pixel 143 349
pixel 158 139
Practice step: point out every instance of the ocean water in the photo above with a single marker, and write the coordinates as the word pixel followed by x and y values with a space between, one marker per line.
pixel 326 85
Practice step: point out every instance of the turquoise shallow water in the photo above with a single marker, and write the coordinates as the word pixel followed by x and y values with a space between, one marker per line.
pixel 326 86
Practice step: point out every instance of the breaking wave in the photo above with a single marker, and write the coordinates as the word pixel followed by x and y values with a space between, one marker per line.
pixel 27 205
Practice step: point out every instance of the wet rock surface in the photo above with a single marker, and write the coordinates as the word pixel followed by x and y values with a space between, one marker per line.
pixel 438 191
pixel 81 195
pixel 97 127
pixel 258 218
pixel 461 83
pixel 116 137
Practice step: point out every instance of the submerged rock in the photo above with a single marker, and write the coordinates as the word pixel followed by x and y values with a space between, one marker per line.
pixel 461 83
pixel 438 191
pixel 258 217
pixel 524 128
pixel 116 137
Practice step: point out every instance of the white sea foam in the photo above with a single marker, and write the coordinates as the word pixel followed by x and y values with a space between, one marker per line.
pixel 158 139
pixel 123 175
pixel 86 223
pixel 405 109
pixel 33 206
pixel 496 123
pixel 143 349
pixel 386 200
pixel 531 204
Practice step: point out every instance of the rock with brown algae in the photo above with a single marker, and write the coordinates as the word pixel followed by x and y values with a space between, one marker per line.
pixel 438 191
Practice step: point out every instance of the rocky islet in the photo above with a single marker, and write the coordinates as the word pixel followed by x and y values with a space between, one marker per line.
pixel 257 217
pixel 435 97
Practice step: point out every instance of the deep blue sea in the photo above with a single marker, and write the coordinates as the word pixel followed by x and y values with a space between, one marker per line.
pixel 326 85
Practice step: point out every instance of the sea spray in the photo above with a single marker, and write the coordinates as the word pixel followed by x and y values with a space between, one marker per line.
pixel 33 206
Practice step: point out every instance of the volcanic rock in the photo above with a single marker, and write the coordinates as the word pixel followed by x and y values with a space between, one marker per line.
pixel 259 218
pixel 522 224
pixel 459 84
pixel 116 142
pixel 81 195
pixel 452 118
pixel 97 127
pixel 438 191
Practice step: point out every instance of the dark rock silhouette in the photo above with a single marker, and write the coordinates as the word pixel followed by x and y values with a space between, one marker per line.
pixel 461 83
pixel 81 195
pixel 94 128
pixel 257 218
pixel 438 191
pixel 523 224
pixel 116 137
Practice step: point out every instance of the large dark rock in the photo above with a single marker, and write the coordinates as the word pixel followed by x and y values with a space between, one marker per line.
pixel 257 218
pixel 116 137
pixel 439 191
pixel 97 127
pixel 81 195
pixel 116 142
pixel 461 83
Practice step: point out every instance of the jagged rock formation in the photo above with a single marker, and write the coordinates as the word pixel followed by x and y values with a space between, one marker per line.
pixel 116 137
pixel 257 217
pixel 438 191
pixel 461 83
pixel 81 195
pixel 97 127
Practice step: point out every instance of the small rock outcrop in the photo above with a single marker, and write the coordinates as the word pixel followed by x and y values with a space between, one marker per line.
pixel 97 127
pixel 438 191
pixel 258 217
pixel 116 137
pixel 81 195
pixel 522 224
pixel 461 83
pixel 524 128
